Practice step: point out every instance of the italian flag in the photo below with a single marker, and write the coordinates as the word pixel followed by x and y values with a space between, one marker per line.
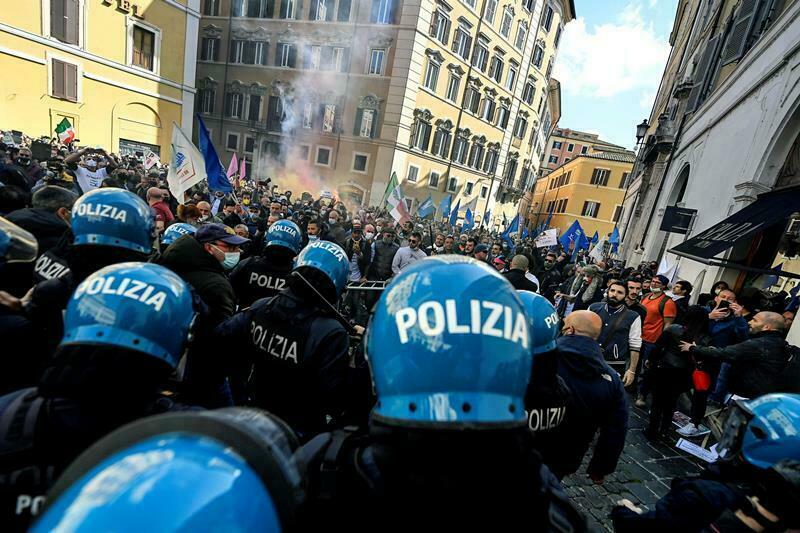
pixel 396 202
pixel 66 134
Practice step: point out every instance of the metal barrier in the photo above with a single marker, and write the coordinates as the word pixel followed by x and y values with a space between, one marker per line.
pixel 366 286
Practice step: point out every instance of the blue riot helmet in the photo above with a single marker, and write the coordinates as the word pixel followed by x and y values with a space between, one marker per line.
pixel 137 306
pixel 543 321
pixel 175 231
pixel 449 346
pixel 324 263
pixel 224 470
pixel 113 217
pixel 762 431
pixel 16 244
pixel 286 234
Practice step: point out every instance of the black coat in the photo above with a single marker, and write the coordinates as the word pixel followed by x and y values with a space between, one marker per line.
pixel 519 281
pixel 366 254
pixel 47 227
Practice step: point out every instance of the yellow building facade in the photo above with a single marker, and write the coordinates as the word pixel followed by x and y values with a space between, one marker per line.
pixel 121 71
pixel 588 188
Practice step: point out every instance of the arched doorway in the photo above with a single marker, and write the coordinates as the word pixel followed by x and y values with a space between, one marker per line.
pixel 137 128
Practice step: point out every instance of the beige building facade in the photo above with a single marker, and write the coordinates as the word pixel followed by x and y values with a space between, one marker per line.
pixel 339 94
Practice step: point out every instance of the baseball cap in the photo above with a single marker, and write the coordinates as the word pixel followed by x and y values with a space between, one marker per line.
pixel 218 232
pixel 481 248
pixel 663 279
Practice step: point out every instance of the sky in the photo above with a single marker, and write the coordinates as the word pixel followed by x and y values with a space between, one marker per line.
pixel 610 63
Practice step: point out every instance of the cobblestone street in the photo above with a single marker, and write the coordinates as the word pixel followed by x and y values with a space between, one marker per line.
pixel 643 474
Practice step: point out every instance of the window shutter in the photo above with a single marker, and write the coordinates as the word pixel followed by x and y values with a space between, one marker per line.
pixel 374 130
pixel 57 13
pixel 344 11
pixel 357 125
pixel 434 24
pixel 345 59
pixel 373 16
pixel 278 50
pixel 312 10
pixel 741 31
pixel 298 9
pixel 700 75
pixel 320 118
pixel 454 47
pixel 58 79
pixel 292 56
pixel 447 25
pixel 437 142
pixel 270 12
pixel 71 22
pixel 71 82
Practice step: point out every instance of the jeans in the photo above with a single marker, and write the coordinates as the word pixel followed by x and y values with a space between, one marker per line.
pixel 721 389
pixel 642 372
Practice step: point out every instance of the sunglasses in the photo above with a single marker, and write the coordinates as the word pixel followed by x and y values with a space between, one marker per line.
pixel 413 241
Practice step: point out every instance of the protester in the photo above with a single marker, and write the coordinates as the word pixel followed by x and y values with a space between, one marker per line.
pixel 516 274
pixel 681 291
pixel 661 312
pixel 621 335
pixel 408 255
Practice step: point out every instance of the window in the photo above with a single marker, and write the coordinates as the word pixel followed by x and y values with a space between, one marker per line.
pixel 452 184
pixel 487 111
pixel 557 145
pixel 541 105
pixel 313 57
pixel 440 27
pixel 510 171
pixel 143 48
pixel 376 57
pixel 338 61
pixel 505 24
pixel 558 36
pixel 236 54
pixel 489 11
pixel 323 156
pixel 480 55
pixel 237 8
pixel 233 105
pixel 461 147
pixel 617 213
pixel 547 18
pixel 566 160
pixel 496 69
pixel 561 205
pixel 528 92
pixel 382 11
pixel 538 56
pixel 433 179
pixel 590 209
pixel 64 80
pixel 441 140
pixel 308 115
pixel 211 8
pixel 249 144
pixel 519 127
pixel 584 150
pixel 286 55
pixel 412 174
pixel 65 17
pixel 484 191
pixel 600 177
pixel 503 115
pixel 232 142
pixel 343 14
pixel 328 118
pixel 209 49
pixel 522 34
pixel 304 151
pixel 431 75
pixel 462 42
pixel 468 189
pixel 207 97
pixel 254 108
pixel 288 9
pixel 511 79
pixel 492 156
pixel 360 162
pixel 476 156
pixel 422 134
pixel 452 88
pixel 275 113
pixel 319 10
pixel 367 123
pixel 553 159
pixel 624 181
pixel 472 99
pixel 260 8
pixel 570 147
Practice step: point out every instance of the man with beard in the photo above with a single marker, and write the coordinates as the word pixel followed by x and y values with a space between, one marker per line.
pixel 438 245
pixel 549 277
pixel 621 336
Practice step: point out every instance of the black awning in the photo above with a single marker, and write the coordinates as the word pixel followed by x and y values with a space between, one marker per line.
pixel 768 210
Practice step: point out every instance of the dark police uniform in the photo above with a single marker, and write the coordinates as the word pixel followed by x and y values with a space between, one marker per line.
pixel 259 277
pixel 300 359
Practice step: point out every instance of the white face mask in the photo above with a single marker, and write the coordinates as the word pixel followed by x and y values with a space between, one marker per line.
pixel 331 221
pixel 369 235
pixel 656 290
pixel 312 238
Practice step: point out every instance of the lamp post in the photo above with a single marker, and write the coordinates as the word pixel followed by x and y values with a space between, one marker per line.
pixel 641 132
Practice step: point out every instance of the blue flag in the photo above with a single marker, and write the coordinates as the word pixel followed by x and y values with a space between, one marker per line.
pixel 525 233
pixel 217 178
pixel 454 214
pixel 487 217
pixel 595 238
pixel 469 221
pixel 772 279
pixel 794 303
pixel 574 234
pixel 444 206
pixel 426 208
pixel 510 230
pixel 614 240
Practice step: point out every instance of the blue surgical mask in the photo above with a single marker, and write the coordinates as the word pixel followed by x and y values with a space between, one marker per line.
pixel 231 259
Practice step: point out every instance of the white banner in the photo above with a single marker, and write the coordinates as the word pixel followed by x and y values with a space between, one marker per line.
pixel 597 252
pixel 547 238
pixel 150 160
pixel 187 167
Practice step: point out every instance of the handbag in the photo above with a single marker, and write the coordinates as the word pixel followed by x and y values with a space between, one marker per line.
pixel 701 380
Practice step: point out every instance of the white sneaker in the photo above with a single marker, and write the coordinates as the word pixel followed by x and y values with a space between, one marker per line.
pixel 689 430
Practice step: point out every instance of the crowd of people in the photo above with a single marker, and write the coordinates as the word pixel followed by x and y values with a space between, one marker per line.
pixel 360 367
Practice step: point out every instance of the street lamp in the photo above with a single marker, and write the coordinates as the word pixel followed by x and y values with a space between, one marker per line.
pixel 641 131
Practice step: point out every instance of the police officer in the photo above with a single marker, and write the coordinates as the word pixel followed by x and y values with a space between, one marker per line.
pixel 449 348
pixel 265 275
pixel 176 231
pixel 109 226
pixel 547 396
pixel 753 486
pixel 224 470
pixel 298 349
pixel 127 327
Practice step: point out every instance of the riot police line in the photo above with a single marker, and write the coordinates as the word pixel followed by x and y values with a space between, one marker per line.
pixel 432 421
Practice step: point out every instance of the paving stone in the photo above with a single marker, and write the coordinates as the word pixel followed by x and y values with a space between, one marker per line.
pixel 670 468
pixel 642 493
pixel 658 487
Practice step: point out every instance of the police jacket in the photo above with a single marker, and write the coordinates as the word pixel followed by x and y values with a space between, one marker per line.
pixel 404 477
pixel 757 364
pixel 366 254
pixel 259 277
pixel 519 281
pixel 598 402
pixel 381 267
pixel 300 359
pixel 615 335
pixel 46 226
pixel 546 401
pixel 187 258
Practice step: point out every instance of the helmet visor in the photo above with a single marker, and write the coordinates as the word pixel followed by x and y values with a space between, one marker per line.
pixel 730 443
pixel 16 244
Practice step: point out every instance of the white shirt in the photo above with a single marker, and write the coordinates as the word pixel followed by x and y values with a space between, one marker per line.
pixel 533 278
pixel 406 256
pixel 88 180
